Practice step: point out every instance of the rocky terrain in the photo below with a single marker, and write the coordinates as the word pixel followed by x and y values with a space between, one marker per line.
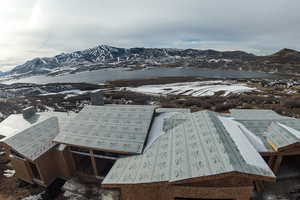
pixel 102 56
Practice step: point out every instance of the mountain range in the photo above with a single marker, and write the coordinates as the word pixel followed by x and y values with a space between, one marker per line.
pixel 104 56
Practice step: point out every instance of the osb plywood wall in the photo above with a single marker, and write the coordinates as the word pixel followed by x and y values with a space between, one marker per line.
pixel 172 192
pixel 22 169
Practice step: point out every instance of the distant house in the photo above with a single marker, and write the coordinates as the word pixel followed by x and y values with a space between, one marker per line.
pixel 154 153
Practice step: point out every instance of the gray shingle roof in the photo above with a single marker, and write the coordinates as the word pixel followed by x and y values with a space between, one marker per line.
pixel 199 147
pixel 256 114
pixel 258 121
pixel 157 128
pixel 35 140
pixel 280 136
pixel 16 123
pixel 118 128
pixel 175 120
pixel 180 110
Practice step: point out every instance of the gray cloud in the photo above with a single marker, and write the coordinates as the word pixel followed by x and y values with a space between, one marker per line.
pixel 47 27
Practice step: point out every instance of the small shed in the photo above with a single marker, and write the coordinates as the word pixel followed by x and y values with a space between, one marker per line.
pixel 30 148
pixel 32 154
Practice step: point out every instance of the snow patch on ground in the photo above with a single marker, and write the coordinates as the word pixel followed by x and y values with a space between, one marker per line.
pixel 72 93
pixel 34 197
pixel 199 88
pixel 9 173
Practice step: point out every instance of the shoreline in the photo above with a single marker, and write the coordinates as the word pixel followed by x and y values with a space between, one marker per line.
pixel 103 75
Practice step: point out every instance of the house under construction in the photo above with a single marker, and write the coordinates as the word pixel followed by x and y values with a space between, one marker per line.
pixel 155 153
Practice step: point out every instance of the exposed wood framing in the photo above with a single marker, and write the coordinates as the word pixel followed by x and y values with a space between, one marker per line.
pixel 271 161
pixel 277 164
pixel 93 163
pixel 94 155
pixel 259 185
pixel 274 146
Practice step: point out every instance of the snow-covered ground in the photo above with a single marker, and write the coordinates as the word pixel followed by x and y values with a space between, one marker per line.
pixel 199 88
pixel 34 197
pixel 71 93
pixel 9 173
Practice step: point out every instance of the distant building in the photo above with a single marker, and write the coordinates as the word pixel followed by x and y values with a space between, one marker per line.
pixel 154 153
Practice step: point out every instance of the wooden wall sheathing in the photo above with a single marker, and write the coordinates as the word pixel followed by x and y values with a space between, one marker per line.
pixel 172 192
pixel 22 169
pixel 49 166
pixel 228 182
pixel 66 162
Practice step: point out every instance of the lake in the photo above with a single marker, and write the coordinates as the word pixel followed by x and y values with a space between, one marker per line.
pixel 100 76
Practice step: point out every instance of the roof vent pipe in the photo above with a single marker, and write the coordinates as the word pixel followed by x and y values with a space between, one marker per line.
pixel 28 112
pixel 97 98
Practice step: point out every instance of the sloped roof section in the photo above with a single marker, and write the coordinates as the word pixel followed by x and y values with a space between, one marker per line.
pixel 253 138
pixel 258 121
pixel 178 110
pixel 280 136
pixel 122 129
pixel 175 120
pixel 199 147
pixel 157 128
pixel 256 114
pixel 16 123
pixel 36 140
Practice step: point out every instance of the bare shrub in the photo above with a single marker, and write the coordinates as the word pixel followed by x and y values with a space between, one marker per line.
pixel 292 103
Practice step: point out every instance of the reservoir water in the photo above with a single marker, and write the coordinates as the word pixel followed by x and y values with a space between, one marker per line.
pixel 99 76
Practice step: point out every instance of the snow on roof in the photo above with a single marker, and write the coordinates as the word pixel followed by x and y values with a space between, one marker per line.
pixel 7 131
pixel 157 128
pixel 253 138
pixel 258 122
pixel 295 132
pixel 35 140
pixel 199 147
pixel 246 149
pixel 118 128
pixel 16 123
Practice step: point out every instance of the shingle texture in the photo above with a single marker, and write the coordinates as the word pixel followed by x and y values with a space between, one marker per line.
pixel 258 121
pixel 175 120
pixel 111 127
pixel 36 140
pixel 280 136
pixel 179 110
pixel 17 123
pixel 256 114
pixel 199 147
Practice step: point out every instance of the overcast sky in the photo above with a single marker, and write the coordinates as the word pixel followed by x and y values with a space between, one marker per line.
pixel 39 28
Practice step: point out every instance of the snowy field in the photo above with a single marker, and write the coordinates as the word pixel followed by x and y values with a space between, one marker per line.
pixel 199 88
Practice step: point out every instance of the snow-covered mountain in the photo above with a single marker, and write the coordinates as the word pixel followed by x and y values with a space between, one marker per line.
pixel 105 56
